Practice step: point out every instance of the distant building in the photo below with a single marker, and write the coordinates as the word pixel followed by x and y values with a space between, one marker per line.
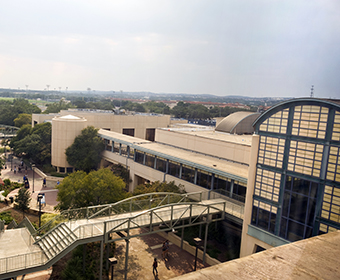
pixel 69 123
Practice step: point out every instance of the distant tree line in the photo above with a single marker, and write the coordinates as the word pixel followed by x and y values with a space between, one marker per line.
pixel 10 110
pixel 181 110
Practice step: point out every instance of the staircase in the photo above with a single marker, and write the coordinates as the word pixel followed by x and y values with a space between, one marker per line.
pixel 56 240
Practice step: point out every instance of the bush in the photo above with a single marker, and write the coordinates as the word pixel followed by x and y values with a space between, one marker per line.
pixel 7 182
pixel 48 169
pixel 6 217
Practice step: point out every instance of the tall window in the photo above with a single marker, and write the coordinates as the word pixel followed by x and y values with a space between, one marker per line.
pixel 298 211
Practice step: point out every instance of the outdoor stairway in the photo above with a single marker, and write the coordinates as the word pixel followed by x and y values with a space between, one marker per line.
pixel 56 241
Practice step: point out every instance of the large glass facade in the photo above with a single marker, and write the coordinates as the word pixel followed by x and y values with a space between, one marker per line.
pixel 297 180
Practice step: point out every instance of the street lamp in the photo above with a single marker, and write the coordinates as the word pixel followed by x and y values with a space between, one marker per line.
pixel 33 165
pixel 197 242
pixel 112 261
pixel 40 196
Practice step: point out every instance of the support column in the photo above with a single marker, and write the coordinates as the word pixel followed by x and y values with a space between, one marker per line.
pixel 205 241
pixel 101 260
pixel 107 255
pixel 126 257
pixel 84 257
pixel 231 188
pixel 182 235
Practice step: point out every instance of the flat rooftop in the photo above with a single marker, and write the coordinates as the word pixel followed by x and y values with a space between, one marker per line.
pixel 180 155
pixel 312 258
pixel 210 133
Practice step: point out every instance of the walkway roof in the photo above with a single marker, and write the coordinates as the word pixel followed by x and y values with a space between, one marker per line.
pixel 211 164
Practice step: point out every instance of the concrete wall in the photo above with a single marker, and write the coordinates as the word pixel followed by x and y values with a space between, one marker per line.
pixel 116 123
pixel 64 130
pixel 40 118
pixel 228 150
pixel 247 242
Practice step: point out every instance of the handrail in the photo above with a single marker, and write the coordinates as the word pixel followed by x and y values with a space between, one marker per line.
pixel 24 261
pixel 85 212
pixel 66 213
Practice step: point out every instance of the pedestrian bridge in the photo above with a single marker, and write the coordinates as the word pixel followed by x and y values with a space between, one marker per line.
pixel 7 131
pixel 23 252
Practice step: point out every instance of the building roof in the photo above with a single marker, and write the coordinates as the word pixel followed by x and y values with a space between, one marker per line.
pixel 213 164
pixel 238 123
pixel 70 117
pixel 330 103
pixel 210 133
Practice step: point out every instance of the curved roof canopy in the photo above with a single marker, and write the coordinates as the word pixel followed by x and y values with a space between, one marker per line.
pixel 238 123
pixel 330 103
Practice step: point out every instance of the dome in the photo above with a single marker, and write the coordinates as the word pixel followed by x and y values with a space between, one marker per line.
pixel 238 123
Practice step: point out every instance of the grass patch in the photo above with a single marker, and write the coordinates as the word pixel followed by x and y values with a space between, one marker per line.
pixel 9 186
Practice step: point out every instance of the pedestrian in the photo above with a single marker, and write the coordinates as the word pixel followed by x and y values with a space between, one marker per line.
pixel 155 265
pixel 164 249
pixel 15 169
pixel 44 182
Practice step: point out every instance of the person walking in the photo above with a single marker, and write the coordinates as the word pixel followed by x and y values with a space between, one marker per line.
pixel 155 265
pixel 44 182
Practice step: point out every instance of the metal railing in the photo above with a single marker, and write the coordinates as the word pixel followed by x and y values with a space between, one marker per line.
pixel 22 261
pixel 153 209
pixel 131 204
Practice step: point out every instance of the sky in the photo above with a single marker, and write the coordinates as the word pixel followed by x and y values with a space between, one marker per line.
pixel 256 48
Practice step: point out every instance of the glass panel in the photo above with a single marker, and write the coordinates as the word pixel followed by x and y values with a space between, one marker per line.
pixel 161 164
pixel 139 156
pixel 174 168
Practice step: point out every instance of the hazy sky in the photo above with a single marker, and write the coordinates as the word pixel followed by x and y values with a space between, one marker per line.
pixel 228 47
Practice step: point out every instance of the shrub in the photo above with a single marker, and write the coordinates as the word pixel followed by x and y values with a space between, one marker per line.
pixel 7 182
pixel 6 217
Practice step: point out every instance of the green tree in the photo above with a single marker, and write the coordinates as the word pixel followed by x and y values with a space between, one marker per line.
pixel 80 189
pixel 23 119
pixel 180 110
pixel 157 107
pixel 57 106
pixel 22 133
pixel 158 187
pixel 22 200
pixel 10 110
pixel 2 162
pixel 34 143
pixel 85 152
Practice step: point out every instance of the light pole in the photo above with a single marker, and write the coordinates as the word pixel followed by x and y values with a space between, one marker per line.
pixel 112 261
pixel 33 165
pixel 40 196
pixel 197 242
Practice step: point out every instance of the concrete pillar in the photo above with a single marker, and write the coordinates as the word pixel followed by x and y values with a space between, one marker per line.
pixel 246 249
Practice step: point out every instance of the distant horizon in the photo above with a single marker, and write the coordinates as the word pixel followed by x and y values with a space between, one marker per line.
pixel 85 92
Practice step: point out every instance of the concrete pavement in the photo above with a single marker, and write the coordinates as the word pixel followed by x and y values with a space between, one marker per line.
pixel 35 183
